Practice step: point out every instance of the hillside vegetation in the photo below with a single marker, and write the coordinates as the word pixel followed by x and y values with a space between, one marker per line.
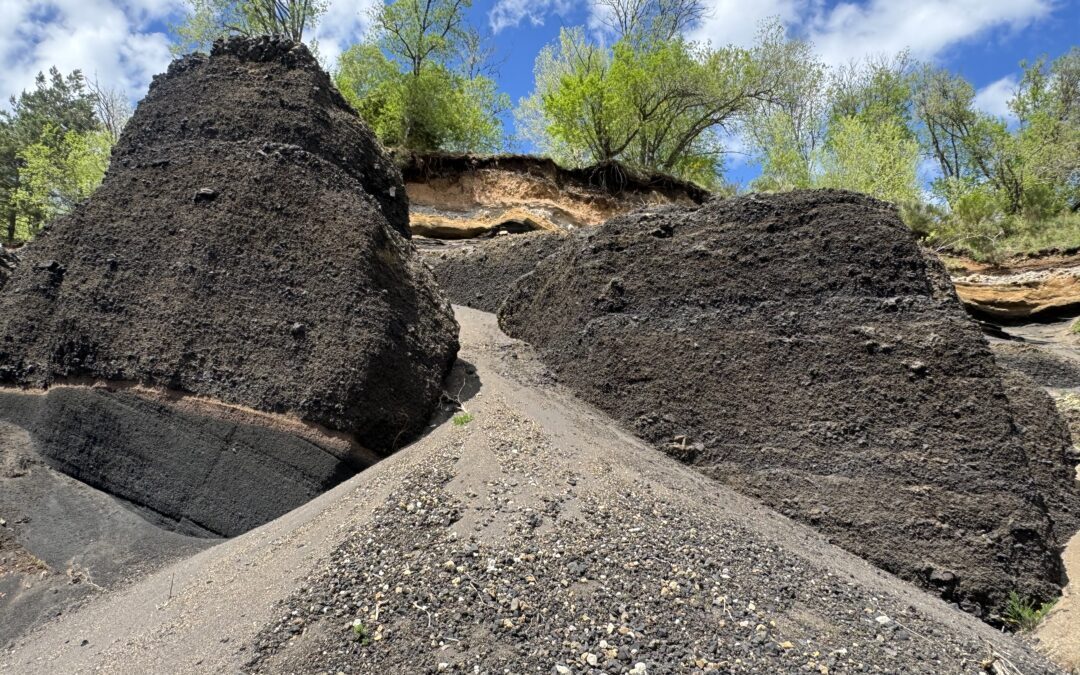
pixel 639 91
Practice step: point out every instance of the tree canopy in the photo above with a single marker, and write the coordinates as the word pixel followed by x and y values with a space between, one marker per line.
pixel 418 79
pixel 53 151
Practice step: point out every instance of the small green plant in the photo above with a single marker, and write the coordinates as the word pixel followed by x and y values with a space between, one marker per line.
pixel 462 418
pixel 362 633
pixel 1025 615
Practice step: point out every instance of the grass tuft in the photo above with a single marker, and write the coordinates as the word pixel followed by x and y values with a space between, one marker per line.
pixel 1025 615
pixel 462 418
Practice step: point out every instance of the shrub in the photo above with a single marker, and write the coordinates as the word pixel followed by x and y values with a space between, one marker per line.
pixel 1025 615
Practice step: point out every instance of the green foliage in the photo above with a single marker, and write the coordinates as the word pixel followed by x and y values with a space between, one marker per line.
pixel 416 81
pixel 362 632
pixel 208 20
pixel 848 128
pixel 462 418
pixel 879 159
pixel 656 105
pixel 58 171
pixel 434 109
pixel 1025 615
pixel 43 170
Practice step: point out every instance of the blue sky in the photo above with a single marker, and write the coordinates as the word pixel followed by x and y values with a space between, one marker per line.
pixel 125 42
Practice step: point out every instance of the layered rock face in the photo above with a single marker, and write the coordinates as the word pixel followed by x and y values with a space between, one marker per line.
pixel 465 196
pixel 244 263
pixel 801 348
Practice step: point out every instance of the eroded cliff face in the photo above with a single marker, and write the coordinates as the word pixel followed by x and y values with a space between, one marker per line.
pixel 465 197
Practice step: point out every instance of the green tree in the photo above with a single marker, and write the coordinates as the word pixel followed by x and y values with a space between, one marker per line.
pixel 56 103
pixel 418 82
pixel 786 130
pixel 58 171
pixel 877 158
pixel 656 105
pixel 208 20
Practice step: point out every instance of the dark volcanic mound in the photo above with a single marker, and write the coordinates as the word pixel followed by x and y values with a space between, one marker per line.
pixel 261 90
pixel 800 348
pixel 481 273
pixel 236 265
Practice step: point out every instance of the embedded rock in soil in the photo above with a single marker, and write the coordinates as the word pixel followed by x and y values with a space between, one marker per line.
pixel 481 273
pixel 800 348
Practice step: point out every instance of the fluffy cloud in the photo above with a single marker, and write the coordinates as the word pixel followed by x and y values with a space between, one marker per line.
pixel 115 41
pixel 345 22
pixel 736 22
pixel 510 13
pixel 123 43
pixel 926 27
pixel 993 99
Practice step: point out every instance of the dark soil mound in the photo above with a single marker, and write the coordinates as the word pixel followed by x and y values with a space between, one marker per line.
pixel 481 273
pixel 800 348
pixel 1042 365
pixel 265 90
pixel 236 266
pixel 8 261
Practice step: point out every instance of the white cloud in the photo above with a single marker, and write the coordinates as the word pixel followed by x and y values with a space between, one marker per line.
pixel 345 23
pixel 737 22
pixel 107 39
pixel 993 99
pixel 510 13
pixel 926 27
pixel 851 30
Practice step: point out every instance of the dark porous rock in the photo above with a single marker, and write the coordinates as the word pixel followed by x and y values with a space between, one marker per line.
pixel 802 349
pixel 481 273
pixel 8 262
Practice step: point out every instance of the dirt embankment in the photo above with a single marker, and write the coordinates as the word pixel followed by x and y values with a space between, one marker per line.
pixel 537 538
pixel 801 349
pixel 464 197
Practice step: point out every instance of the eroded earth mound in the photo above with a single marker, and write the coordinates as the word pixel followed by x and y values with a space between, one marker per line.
pixel 801 349
pixel 234 322
pixel 480 273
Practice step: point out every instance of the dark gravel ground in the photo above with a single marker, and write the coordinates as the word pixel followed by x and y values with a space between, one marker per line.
pixel 801 349
pixel 480 273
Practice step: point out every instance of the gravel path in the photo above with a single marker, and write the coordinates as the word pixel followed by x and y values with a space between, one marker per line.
pixel 537 538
